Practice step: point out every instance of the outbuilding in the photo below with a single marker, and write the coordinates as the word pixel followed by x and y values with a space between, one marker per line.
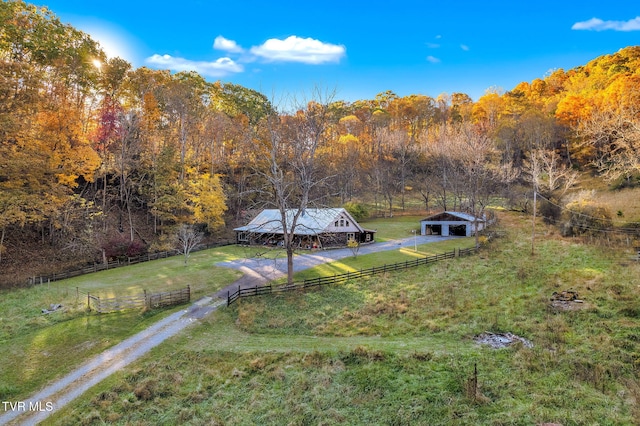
pixel 315 228
pixel 450 223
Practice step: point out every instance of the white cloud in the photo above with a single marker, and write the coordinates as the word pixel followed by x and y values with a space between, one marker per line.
pixel 296 49
pixel 221 43
pixel 291 49
pixel 596 24
pixel 464 47
pixel 219 68
pixel 433 59
pixel 433 45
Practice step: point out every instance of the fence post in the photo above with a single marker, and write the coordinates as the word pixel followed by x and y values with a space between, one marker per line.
pixel 188 292
pixel 227 297
pixel 146 300
pixel 88 301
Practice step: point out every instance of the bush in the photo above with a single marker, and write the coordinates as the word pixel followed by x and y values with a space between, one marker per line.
pixel 121 248
pixel 627 182
pixel 582 215
pixel 550 211
pixel 356 210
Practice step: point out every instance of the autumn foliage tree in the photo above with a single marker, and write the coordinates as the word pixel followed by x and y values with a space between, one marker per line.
pixel 92 155
pixel 45 82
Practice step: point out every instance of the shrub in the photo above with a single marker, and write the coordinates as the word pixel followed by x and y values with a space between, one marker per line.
pixel 550 211
pixel 121 248
pixel 582 215
pixel 631 181
pixel 356 210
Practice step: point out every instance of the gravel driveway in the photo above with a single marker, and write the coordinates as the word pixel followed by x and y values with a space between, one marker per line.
pixel 256 272
pixel 259 271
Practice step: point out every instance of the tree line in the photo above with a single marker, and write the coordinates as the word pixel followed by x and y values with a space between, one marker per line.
pixel 93 151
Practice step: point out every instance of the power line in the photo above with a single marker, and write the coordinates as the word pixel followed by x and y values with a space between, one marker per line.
pixel 589 216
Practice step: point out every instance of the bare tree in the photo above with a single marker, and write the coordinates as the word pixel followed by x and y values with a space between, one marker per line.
pixel 478 169
pixel 613 136
pixel 188 238
pixel 548 173
pixel 291 167
pixel 465 165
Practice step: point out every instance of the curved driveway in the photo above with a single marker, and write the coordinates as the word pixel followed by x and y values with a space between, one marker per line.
pixel 258 271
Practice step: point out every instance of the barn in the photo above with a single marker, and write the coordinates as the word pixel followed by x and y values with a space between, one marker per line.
pixel 451 223
pixel 315 228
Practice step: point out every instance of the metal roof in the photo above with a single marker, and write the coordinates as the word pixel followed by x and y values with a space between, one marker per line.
pixel 310 221
pixel 464 216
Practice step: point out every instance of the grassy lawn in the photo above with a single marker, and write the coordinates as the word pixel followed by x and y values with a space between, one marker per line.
pixel 38 348
pixel 399 349
pixel 393 228
pixel 352 264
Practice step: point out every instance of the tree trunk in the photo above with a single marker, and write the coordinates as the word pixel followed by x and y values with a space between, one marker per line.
pixel 290 263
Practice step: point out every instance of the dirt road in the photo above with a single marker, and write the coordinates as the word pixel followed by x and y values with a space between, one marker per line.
pixel 256 272
pixel 53 397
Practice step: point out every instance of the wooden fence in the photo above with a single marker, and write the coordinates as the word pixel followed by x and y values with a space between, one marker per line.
pixel 115 264
pixel 146 300
pixel 340 278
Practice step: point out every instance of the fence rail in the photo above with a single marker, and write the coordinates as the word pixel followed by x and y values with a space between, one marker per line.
pixel 139 301
pixel 96 267
pixel 170 298
pixel 341 278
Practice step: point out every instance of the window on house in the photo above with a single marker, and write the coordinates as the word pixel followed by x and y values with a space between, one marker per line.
pixel 368 237
pixel 351 236
pixel 347 223
pixel 341 222
pixel 336 224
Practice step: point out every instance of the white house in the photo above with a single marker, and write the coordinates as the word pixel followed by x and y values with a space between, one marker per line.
pixel 451 224
pixel 315 228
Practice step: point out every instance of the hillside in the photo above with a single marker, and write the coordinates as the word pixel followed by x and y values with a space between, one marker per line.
pixel 106 162
pixel 402 349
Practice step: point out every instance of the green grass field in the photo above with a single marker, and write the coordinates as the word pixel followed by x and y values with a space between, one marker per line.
pixel 399 349
pixel 393 228
pixel 36 348
pixel 392 349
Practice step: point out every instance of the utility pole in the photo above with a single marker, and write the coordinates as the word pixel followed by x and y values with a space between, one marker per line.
pixel 415 240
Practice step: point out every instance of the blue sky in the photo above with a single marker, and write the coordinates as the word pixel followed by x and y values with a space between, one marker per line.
pixel 359 49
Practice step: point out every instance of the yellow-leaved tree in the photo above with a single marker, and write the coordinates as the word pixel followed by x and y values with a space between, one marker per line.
pixel 209 201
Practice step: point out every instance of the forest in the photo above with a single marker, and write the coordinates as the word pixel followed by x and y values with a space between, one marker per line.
pixel 100 160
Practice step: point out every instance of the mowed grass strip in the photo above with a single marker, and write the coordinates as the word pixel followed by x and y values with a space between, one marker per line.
pixel 38 347
pixel 399 349
pixel 363 262
pixel 392 228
